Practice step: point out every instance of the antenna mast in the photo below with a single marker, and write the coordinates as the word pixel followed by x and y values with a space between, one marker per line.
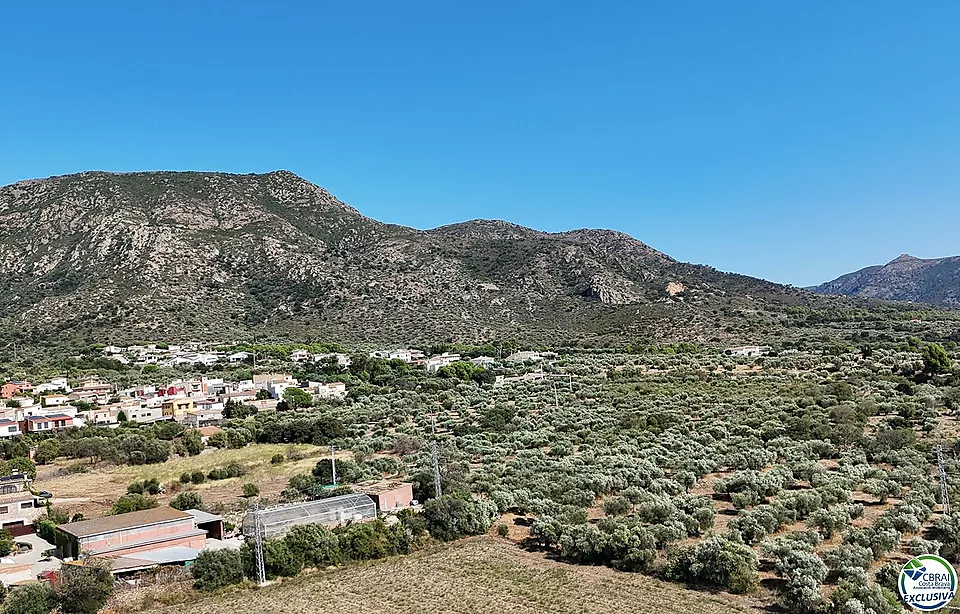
pixel 259 567
pixel 942 470
pixel 438 489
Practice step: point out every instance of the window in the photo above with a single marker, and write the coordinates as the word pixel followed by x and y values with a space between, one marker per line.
pixel 6 489
pixel 4 509
pixel 12 429
pixel 27 505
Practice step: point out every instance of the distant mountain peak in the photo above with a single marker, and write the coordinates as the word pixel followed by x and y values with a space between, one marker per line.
pixel 903 258
pixel 905 278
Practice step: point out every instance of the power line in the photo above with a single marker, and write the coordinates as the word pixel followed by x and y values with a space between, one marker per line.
pixel 942 470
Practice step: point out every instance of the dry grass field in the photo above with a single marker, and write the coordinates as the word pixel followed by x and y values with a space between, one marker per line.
pixel 94 491
pixel 473 576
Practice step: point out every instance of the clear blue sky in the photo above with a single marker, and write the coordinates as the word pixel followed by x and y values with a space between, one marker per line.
pixel 793 141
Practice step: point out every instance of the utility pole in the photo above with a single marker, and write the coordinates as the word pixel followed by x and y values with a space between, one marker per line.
pixel 942 470
pixel 259 567
pixel 333 464
pixel 437 488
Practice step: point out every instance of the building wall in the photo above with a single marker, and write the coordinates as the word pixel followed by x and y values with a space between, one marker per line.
pixel 397 497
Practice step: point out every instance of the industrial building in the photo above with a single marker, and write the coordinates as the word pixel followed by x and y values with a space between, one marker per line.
pixel 276 521
pixel 160 528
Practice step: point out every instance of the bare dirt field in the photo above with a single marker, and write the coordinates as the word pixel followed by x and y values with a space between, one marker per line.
pixel 473 576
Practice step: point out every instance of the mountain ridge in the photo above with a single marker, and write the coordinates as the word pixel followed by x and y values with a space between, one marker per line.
pixel 180 253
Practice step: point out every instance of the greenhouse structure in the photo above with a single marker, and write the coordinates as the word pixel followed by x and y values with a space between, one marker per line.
pixel 278 520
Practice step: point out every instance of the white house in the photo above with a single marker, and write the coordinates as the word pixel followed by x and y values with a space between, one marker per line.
pixel 747 351
pixel 333 390
pixel 404 354
pixel 238 357
pixel 9 428
pixel 54 400
pixel 299 355
pixel 145 415
pixel 208 405
pixel 276 388
pixel 484 361
pixel 434 363
pixel 56 383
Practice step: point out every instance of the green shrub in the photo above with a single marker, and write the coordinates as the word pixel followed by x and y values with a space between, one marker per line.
pixel 316 545
pixel 188 500
pixel 450 517
pixel 132 503
pixel 83 590
pixel 215 569
pixel 32 598
pixel 719 562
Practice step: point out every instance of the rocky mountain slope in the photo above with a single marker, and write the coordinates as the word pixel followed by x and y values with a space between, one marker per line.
pixel 935 281
pixel 219 256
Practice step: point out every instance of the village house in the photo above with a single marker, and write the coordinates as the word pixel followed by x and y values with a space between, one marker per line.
pixel 261 380
pixel 206 432
pixel 18 506
pixel 196 418
pixel 434 363
pixel 484 361
pixel 276 389
pixel 299 355
pixel 55 384
pixel 404 354
pixel 332 390
pixel 145 415
pixel 9 428
pixel 237 357
pixel 239 397
pixel 54 400
pixel 747 351
pixel 46 424
pixel 105 416
pixel 15 388
pixel 171 408
pixel 208 405
pixel 525 356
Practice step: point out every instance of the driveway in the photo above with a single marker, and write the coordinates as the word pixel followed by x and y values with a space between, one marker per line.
pixel 33 557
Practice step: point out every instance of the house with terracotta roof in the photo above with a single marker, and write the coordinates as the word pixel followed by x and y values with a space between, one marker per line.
pixel 160 528
pixel 15 388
